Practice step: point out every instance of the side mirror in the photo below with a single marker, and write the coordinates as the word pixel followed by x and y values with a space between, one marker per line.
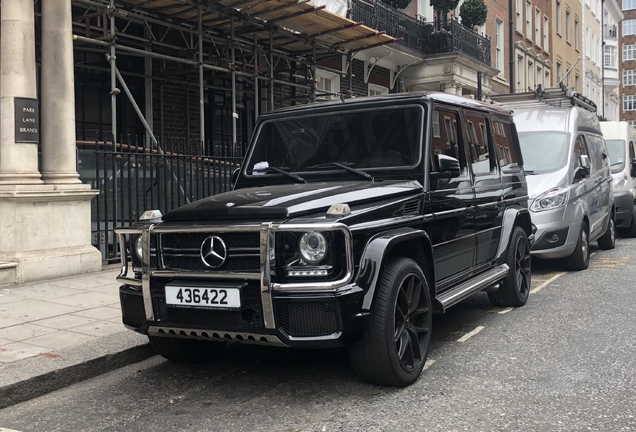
pixel 585 162
pixel 448 166
pixel 583 170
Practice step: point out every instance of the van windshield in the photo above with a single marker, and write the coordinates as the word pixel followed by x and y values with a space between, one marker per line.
pixel 544 151
pixel 616 150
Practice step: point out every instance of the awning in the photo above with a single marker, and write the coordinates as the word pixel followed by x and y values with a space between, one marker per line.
pixel 297 24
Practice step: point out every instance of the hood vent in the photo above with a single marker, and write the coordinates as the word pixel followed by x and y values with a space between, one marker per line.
pixel 411 208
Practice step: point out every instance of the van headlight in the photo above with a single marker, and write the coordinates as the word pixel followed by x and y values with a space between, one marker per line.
pixel 619 182
pixel 313 247
pixel 552 199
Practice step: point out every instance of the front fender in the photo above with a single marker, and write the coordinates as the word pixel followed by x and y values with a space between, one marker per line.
pixel 415 244
pixel 512 217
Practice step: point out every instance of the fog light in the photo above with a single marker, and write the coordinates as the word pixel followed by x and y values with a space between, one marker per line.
pixel 554 238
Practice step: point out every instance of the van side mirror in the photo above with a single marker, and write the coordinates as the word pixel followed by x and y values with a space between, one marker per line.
pixel 583 170
pixel 448 166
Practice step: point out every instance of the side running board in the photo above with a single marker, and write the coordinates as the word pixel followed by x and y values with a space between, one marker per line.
pixel 466 289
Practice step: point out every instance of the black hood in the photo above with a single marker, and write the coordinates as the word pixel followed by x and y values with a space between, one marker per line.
pixel 289 200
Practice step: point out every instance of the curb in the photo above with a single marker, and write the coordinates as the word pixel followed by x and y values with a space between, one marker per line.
pixel 42 379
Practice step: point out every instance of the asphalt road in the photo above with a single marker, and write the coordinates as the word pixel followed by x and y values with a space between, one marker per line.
pixel 564 362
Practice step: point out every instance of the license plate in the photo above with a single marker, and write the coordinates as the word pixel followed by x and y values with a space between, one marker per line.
pixel 199 297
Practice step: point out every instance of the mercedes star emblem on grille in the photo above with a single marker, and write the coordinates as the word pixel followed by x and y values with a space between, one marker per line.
pixel 213 252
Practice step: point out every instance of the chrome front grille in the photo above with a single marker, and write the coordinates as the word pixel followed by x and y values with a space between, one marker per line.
pixel 182 251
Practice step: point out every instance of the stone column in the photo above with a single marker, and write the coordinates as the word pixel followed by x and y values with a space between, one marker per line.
pixel 460 91
pixel 18 160
pixel 450 88
pixel 59 157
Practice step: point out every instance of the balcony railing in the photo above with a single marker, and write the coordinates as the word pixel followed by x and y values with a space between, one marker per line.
pixel 420 36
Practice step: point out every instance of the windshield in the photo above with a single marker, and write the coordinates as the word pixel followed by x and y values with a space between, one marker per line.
pixel 544 151
pixel 363 139
pixel 616 150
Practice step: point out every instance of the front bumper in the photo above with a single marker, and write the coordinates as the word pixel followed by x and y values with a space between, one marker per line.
pixel 302 321
pixel 557 232
pixel 301 314
pixel 624 202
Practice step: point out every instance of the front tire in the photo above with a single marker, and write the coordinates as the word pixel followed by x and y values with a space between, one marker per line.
pixel 515 288
pixel 580 258
pixel 608 239
pixel 185 350
pixel 395 345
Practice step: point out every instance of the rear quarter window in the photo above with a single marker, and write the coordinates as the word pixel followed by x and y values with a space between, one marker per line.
pixel 504 146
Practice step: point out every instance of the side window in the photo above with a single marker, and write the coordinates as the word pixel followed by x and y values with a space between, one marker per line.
pixel 596 147
pixel 445 137
pixel 504 147
pixel 478 138
pixel 631 151
pixel 580 149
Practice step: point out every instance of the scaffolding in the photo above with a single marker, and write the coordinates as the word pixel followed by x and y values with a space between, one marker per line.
pixel 249 57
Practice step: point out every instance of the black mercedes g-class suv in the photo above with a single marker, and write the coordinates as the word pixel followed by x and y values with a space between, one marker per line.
pixel 350 223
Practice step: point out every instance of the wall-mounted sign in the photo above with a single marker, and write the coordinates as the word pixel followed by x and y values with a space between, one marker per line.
pixel 27 122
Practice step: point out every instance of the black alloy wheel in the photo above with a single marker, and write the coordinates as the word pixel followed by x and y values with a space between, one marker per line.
pixel 395 345
pixel 580 258
pixel 515 287
pixel 608 240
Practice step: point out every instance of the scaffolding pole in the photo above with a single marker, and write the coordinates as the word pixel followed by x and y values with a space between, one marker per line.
pixel 233 76
pixel 201 95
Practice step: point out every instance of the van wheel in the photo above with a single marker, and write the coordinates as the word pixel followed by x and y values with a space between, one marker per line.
pixel 580 258
pixel 515 287
pixel 631 230
pixel 185 350
pixel 608 239
pixel 395 345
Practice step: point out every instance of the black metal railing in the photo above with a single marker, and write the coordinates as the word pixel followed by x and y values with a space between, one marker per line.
pixel 132 179
pixel 421 36
pixel 451 36
pixel 380 16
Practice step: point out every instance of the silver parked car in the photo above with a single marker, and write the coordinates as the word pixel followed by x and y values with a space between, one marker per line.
pixel 568 173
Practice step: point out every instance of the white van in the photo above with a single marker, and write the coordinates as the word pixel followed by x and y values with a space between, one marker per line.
pixel 568 173
pixel 620 137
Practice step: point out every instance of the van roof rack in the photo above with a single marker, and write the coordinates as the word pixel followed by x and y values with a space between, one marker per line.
pixel 559 96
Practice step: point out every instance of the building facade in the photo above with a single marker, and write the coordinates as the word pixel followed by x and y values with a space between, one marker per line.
pixel 628 61
pixel 612 17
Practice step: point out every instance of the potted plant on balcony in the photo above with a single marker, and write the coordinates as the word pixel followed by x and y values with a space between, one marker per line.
pixel 442 7
pixel 473 13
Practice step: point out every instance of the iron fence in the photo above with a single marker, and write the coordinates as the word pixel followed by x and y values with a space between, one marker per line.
pixel 132 178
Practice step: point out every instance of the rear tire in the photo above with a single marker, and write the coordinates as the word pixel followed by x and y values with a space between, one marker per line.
pixel 185 350
pixel 394 347
pixel 515 288
pixel 608 239
pixel 630 231
pixel 580 258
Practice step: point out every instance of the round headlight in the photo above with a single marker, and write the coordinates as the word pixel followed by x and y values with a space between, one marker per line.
pixel 138 247
pixel 313 247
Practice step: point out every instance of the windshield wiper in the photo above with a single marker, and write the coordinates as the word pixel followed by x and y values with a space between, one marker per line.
pixel 347 167
pixel 281 170
pixel 528 171
pixel 616 163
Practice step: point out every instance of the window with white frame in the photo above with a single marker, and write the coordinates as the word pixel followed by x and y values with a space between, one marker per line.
pixel 559 75
pixel 567 26
pixel 376 90
pixel 558 17
pixel 546 34
pixel 529 20
pixel 629 102
pixel 587 40
pixel 537 26
pixel 629 27
pixel 629 77
pixel 519 11
pixel 539 75
pixel 548 83
pixel 521 81
pixel 499 53
pixel 629 4
pixel 629 52
pixel 327 85
pixel 530 75
pixel 632 122
pixel 593 48
pixel 610 57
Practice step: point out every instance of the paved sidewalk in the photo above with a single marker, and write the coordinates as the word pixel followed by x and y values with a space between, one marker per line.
pixel 57 332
